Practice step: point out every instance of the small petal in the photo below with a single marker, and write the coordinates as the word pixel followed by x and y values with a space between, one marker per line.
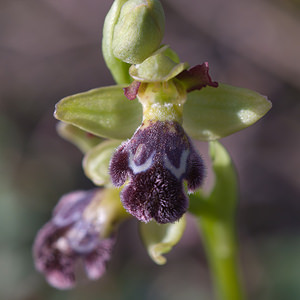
pixel 157 159
pixel 131 91
pixel 196 78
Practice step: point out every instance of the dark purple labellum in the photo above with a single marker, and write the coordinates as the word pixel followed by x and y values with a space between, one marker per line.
pixel 157 159
pixel 67 238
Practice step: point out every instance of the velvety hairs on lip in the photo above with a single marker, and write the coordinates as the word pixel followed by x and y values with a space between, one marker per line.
pixel 157 159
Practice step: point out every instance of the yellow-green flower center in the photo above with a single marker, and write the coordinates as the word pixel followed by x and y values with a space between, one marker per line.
pixel 162 101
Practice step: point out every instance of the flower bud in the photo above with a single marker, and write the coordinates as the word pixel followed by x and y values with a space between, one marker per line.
pixel 138 31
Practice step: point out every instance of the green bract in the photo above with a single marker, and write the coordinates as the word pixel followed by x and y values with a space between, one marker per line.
pixel 160 239
pixel 138 31
pixel 96 162
pixel 104 112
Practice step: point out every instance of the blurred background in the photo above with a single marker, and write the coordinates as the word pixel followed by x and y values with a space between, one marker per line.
pixel 50 49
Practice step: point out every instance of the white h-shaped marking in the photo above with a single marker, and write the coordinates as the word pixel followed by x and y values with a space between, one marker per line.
pixel 177 172
pixel 141 168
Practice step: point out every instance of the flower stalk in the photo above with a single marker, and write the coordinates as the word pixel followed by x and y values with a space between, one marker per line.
pixel 219 240
pixel 216 219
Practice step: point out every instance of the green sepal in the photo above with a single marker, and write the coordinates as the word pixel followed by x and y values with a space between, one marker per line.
pixel 80 138
pixel 159 67
pixel 104 112
pixel 96 162
pixel 159 239
pixel 212 113
pixel 118 68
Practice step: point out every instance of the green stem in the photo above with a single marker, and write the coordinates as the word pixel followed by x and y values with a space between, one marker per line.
pixel 221 248
pixel 216 214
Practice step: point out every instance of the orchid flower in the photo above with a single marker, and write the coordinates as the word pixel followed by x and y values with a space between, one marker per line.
pixel 137 137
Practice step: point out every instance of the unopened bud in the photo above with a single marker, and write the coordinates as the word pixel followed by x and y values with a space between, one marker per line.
pixel 138 31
